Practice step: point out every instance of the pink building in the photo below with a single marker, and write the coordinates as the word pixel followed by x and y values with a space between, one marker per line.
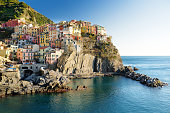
pixel 28 37
pixel 26 55
pixel 35 40
pixel 19 54
pixel 52 44
pixel 52 27
pixel 13 23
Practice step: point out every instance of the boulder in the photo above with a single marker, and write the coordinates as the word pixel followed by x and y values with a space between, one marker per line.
pixel 128 69
pixel 135 69
pixel 80 87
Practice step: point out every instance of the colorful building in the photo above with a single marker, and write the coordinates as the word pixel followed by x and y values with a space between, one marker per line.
pixel 42 52
pixel 58 43
pixel 100 30
pixel 53 55
pixel 26 55
pixel 88 29
pixel 44 39
pixel 19 54
pixel 36 40
pixel 22 42
pixel 53 35
pixel 85 23
pixel 32 47
pixel 14 23
pixel 33 31
pixel 76 31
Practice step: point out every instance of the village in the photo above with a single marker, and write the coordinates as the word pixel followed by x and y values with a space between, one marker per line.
pixel 45 44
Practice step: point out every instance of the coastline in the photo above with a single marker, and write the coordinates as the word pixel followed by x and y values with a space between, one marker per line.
pixel 128 73
pixel 26 87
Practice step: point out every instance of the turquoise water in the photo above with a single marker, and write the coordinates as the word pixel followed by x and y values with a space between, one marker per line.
pixel 104 94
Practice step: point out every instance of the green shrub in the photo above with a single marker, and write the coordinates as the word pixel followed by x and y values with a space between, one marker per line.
pixel 20 9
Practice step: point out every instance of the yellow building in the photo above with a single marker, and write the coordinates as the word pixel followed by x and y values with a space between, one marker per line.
pixel 46 28
pixel 44 39
pixel 76 31
pixel 33 31
pixel 58 43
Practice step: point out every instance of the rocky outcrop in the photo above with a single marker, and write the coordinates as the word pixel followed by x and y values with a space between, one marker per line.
pixel 80 63
pixel 81 88
pixel 3 60
pixel 89 61
pixel 135 69
pixel 143 79
pixel 52 81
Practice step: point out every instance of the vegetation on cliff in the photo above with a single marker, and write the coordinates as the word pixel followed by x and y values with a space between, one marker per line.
pixel 99 49
pixel 95 56
pixel 13 9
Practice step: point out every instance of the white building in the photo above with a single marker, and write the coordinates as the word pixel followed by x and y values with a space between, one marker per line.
pixel 76 31
pixel 53 35
pixel 32 47
pixel 21 43
pixel 53 55
pixel 14 48
pixel 100 30
pixel 78 47
pixel 14 35
pixel 23 29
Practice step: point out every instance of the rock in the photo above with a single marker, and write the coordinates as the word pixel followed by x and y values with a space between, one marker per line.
pixel 31 78
pixel 135 69
pixel 144 79
pixel 128 69
pixel 41 81
pixel 85 63
pixel 81 88
pixel 52 81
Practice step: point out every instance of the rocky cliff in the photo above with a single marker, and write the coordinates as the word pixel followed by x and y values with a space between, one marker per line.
pixel 94 57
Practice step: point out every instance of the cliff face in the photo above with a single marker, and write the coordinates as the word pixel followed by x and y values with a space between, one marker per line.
pixel 78 63
pixel 88 61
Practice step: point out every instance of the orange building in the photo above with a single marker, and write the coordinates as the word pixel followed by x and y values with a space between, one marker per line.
pixel 58 43
pixel 88 29
pixel 19 54
pixel 77 38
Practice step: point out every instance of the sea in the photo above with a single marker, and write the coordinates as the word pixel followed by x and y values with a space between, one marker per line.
pixel 104 94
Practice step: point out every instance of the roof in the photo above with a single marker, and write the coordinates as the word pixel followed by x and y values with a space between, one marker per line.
pixel 43 47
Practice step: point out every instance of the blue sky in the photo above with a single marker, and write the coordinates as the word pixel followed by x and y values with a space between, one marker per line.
pixel 137 27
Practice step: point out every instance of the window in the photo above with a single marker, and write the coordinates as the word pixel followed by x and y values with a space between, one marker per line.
pixel 24 67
